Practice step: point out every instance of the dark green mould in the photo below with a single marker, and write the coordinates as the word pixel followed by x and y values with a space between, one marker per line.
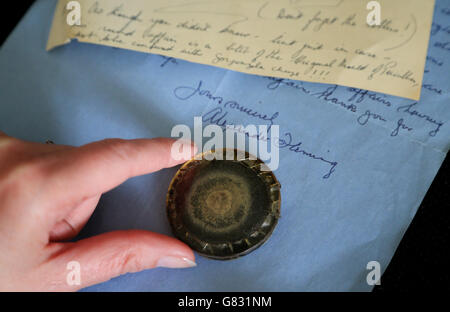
pixel 224 209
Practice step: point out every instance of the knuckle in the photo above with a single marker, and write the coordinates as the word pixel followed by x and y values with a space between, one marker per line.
pixel 27 170
pixel 9 145
pixel 126 258
pixel 132 261
pixel 117 147
pixel 20 163
pixel 21 179
pixel 132 255
pixel 122 151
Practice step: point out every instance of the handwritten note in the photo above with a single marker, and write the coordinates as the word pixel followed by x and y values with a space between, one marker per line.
pixel 326 41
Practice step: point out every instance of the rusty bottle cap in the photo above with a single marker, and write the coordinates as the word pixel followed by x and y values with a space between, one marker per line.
pixel 223 209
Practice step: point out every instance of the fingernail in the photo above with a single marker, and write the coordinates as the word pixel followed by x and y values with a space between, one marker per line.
pixel 175 262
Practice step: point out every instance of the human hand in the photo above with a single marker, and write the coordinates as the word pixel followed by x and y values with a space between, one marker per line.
pixel 47 194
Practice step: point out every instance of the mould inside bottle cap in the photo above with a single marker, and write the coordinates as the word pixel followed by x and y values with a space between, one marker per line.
pixel 224 209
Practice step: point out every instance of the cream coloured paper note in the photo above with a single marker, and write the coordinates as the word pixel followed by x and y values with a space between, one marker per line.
pixel 326 41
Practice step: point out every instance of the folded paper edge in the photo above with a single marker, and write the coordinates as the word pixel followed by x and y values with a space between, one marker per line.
pixel 58 35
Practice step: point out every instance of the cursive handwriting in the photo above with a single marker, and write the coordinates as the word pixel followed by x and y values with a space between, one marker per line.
pixel 359 95
pixel 327 95
pixel 287 142
pixel 286 39
pixel 186 92
pixel 400 126
pixel 364 118
pixel 409 109
pixel 218 116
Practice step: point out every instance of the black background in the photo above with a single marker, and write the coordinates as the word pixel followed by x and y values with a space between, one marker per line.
pixel 422 258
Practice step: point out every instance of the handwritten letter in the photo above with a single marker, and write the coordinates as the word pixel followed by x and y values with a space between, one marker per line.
pixel 326 41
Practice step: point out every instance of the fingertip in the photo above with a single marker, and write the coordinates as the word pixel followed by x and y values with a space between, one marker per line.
pixel 167 252
pixel 156 250
pixel 167 246
pixel 175 262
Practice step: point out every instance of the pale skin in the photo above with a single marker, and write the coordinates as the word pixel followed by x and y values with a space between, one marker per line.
pixel 47 194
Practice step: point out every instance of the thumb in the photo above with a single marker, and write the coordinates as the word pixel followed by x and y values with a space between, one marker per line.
pixel 102 257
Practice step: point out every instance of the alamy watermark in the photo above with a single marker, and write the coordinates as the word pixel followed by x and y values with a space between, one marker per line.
pixel 258 140
pixel 374 16
pixel 374 275
pixel 74 15
pixel 73 278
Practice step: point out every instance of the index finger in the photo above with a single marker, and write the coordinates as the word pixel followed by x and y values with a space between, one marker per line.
pixel 100 166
